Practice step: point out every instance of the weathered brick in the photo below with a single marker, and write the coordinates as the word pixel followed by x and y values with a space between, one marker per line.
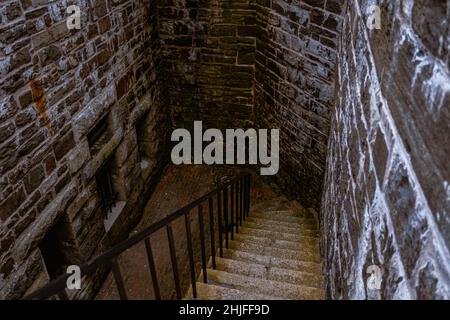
pixel 11 203
pixel 13 10
pixel 53 80
pixel 62 146
pixel 49 55
pixel 25 117
pixel 6 131
pixel 28 146
pixel 34 178
pixel 25 99
pixel 380 153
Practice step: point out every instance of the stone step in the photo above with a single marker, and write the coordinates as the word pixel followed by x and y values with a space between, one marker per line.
pixel 269 273
pixel 290 212
pixel 279 235
pixel 287 212
pixel 295 230
pixel 297 265
pixel 297 277
pixel 282 244
pixel 302 226
pixel 217 292
pixel 279 203
pixel 301 214
pixel 303 254
pixel 283 218
pixel 265 287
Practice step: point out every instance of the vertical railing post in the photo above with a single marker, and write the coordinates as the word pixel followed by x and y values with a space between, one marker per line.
pixel 232 210
pixel 173 258
pixel 225 213
pixel 237 205
pixel 242 199
pixel 219 212
pixel 187 223
pixel 249 191
pixel 151 264
pixel 244 195
pixel 211 232
pixel 202 242
pixel 247 203
pixel 244 181
pixel 118 279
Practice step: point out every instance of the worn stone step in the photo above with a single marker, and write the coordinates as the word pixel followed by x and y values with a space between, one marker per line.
pixel 282 244
pixel 279 212
pixel 257 270
pixel 300 214
pixel 268 261
pixel 290 212
pixel 265 287
pixel 284 218
pixel 296 230
pixel 296 277
pixel 312 240
pixel 302 226
pixel 217 292
pixel 279 203
pixel 303 254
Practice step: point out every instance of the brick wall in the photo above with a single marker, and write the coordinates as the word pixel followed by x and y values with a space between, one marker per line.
pixel 386 189
pixel 295 71
pixel 55 86
pixel 152 65
pixel 208 50
pixel 58 84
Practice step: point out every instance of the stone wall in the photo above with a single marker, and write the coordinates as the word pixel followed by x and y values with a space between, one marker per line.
pixel 386 192
pixel 295 72
pixel 55 86
pixel 146 66
pixel 208 53
pixel 248 63
pixel 142 67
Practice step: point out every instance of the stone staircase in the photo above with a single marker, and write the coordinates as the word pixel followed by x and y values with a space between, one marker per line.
pixel 274 256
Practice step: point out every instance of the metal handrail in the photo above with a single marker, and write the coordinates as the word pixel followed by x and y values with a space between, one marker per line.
pixel 239 189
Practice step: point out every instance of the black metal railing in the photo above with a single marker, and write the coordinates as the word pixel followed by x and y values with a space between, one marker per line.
pixel 232 204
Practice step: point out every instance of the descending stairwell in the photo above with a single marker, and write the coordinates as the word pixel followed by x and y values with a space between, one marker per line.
pixel 272 252
pixel 275 255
